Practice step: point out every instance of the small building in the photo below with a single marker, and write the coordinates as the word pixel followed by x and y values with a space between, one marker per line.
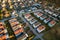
pixel 32 21
pixel 16 26
pixel 23 37
pixel 40 28
pixel 27 15
pixel 30 18
pixel 39 15
pixel 43 17
pixel 3 32
pixel 47 20
pixel 35 25
pixel 35 13
pixel 52 23
pixel 55 14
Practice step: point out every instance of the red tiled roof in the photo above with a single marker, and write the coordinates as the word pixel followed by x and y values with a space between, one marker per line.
pixel 39 14
pixel 48 19
pixel 1 23
pixel 4 37
pixel 27 15
pixel 18 31
pixel 2 32
pixel 37 23
pixel 43 16
pixel 53 22
pixel 41 27
pixel 2 27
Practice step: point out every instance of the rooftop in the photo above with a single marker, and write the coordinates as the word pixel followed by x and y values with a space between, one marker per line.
pixel 39 14
pixel 3 32
pixel 37 23
pixel 41 27
pixel 52 22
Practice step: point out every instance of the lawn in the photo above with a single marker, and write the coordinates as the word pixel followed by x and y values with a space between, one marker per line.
pixel 53 34
pixel 49 36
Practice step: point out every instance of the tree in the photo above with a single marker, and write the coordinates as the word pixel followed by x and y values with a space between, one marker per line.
pixel 1 15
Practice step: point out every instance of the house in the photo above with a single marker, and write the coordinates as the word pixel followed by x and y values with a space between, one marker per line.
pixel 43 17
pixel 30 18
pixel 39 15
pixel 51 23
pixel 23 37
pixel 13 22
pixel 59 17
pixel 40 28
pixel 18 32
pixel 3 5
pixel 27 15
pixel 3 32
pixel 32 21
pixel 55 15
pixel 16 26
pixel 48 11
pixel 35 25
pixel 47 20
pixel 33 8
pixel 35 13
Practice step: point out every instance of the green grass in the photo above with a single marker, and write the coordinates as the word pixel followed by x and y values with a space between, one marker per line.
pixel 53 34
pixel 49 36
pixel 26 29
pixel 1 16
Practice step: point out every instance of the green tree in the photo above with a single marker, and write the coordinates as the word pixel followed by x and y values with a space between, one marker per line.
pixel 1 15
